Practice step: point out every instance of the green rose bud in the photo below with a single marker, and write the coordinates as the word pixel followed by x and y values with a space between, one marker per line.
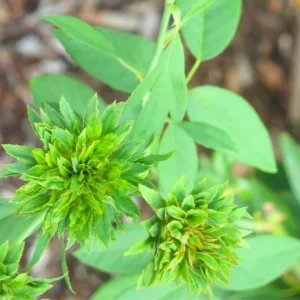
pixel 16 285
pixel 84 176
pixel 192 236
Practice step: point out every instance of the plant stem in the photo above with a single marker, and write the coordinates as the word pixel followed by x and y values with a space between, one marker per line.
pixel 193 70
pixel 161 35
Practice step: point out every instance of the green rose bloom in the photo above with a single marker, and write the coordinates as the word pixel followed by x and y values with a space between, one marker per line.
pixel 84 175
pixel 16 285
pixel 192 236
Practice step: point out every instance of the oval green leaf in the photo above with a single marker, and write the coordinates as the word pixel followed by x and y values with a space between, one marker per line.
pixel 116 58
pixel 209 136
pixel 112 259
pixel 267 259
pixel 167 92
pixel 124 288
pixel 208 31
pixel 231 113
pixel 19 227
pixel 76 92
pixel 184 161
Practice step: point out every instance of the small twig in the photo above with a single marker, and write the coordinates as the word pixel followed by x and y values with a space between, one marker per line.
pixel 161 35
pixel 193 71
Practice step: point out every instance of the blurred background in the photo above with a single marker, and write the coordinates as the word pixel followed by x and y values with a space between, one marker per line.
pixel 262 64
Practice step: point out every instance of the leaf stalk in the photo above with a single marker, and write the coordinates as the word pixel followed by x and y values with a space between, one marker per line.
pixel 193 71
pixel 161 35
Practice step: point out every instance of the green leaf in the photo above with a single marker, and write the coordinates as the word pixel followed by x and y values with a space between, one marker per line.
pixel 124 288
pixel 6 174
pixel 92 107
pixel 36 171
pixel 177 81
pixel 154 114
pixel 3 251
pixel 80 31
pixel 55 183
pixel 191 8
pixel 105 229
pixel 19 168
pixel 77 93
pixel 39 156
pixel 65 266
pixel 110 117
pixel 174 226
pixel 64 136
pixel 19 227
pixel 93 127
pixel 176 212
pixel 112 259
pixel 14 254
pixel 22 153
pixel 152 197
pixel 53 115
pixel 265 293
pixel 67 113
pixel 62 169
pixel 209 260
pixel 197 216
pixel 232 114
pixel 33 117
pixel 121 60
pixel 155 229
pixel 188 202
pixel 128 206
pixel 42 243
pixel 238 213
pixel 208 32
pixel 114 288
pixel 127 149
pixel 6 208
pixel 41 288
pixel 209 136
pixel 138 247
pixel 168 93
pixel 134 103
pixel 267 258
pixel 184 162
pixel 156 158
pixel 291 160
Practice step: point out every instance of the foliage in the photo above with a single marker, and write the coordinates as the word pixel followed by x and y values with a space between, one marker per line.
pixel 14 284
pixel 111 259
pixel 59 84
pixel 208 32
pixel 98 161
pixel 262 267
pixel 222 109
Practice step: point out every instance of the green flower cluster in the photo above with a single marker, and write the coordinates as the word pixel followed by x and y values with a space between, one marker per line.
pixel 84 175
pixel 192 236
pixel 15 285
